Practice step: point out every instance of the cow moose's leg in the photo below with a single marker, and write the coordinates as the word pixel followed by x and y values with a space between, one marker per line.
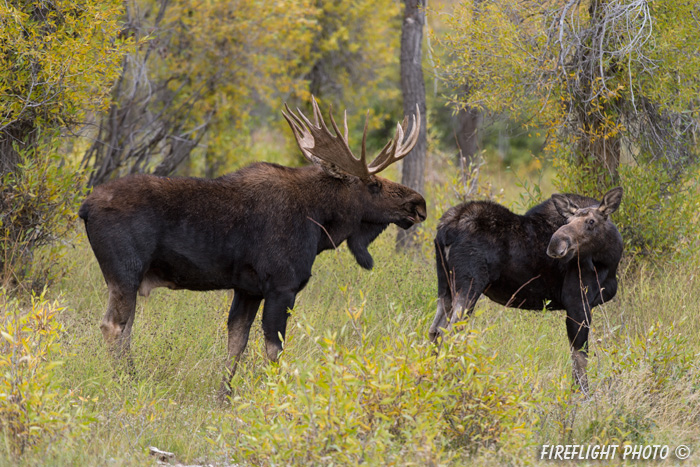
pixel 274 321
pixel 577 326
pixel 463 301
pixel 440 320
pixel 580 291
pixel 445 287
pixel 240 319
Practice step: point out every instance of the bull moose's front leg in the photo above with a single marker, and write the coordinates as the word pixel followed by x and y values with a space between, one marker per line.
pixel 274 320
pixel 240 319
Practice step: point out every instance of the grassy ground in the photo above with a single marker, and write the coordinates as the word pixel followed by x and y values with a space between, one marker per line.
pixel 358 382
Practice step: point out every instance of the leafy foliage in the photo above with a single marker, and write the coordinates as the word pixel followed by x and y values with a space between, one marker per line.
pixel 388 401
pixel 609 82
pixel 33 402
pixel 594 74
pixel 208 73
pixel 638 378
pixel 658 215
pixel 38 202
pixel 58 60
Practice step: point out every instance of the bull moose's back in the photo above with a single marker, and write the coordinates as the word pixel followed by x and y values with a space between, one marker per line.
pixel 202 234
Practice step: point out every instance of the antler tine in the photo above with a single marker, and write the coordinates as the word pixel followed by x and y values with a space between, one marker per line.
pixel 364 138
pixel 345 123
pixel 304 138
pixel 318 116
pixel 396 149
pixel 323 148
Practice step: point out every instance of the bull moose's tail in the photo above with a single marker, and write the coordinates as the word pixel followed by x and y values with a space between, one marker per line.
pixel 84 212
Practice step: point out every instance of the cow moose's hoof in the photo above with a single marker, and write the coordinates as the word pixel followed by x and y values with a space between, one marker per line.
pixel 580 377
pixel 223 395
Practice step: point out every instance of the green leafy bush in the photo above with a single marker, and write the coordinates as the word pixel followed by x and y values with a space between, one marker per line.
pixel 640 378
pixel 658 214
pixel 661 354
pixel 33 404
pixel 389 400
pixel 37 203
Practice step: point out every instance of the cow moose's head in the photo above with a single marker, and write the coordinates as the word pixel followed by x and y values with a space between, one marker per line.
pixel 586 229
pixel 379 201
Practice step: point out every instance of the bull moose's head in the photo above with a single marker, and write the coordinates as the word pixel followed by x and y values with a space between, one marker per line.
pixel 379 200
pixel 586 229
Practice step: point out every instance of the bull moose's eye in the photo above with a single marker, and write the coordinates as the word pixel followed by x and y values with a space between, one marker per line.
pixel 375 186
pixel 590 222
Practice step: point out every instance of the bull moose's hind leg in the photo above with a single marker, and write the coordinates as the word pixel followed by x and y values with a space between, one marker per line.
pixel 119 318
pixel 240 319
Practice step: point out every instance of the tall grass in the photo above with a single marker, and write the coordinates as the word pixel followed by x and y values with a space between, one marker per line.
pixel 358 382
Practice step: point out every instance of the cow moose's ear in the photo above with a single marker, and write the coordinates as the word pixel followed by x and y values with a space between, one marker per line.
pixel 564 205
pixel 611 201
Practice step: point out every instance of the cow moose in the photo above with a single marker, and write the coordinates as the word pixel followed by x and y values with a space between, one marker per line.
pixel 562 254
pixel 256 231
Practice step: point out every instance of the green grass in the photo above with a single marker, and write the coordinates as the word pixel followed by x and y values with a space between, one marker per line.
pixel 644 375
pixel 358 381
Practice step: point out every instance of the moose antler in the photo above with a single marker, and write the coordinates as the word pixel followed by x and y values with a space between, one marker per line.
pixel 321 147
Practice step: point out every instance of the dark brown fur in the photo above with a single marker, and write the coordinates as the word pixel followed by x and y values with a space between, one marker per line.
pixel 256 231
pixel 562 253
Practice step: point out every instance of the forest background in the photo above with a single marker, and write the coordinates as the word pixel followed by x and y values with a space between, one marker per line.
pixel 522 99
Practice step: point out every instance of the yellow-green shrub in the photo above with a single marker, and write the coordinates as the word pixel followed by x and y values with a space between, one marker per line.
pixel 386 400
pixel 640 380
pixel 38 201
pixel 33 405
pixel 658 214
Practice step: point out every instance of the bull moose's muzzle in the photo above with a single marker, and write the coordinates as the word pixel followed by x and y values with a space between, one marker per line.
pixel 416 217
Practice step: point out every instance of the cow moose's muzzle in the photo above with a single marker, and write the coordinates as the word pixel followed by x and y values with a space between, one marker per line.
pixel 560 246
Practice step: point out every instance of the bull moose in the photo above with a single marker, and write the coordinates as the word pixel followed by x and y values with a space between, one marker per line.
pixel 562 254
pixel 256 231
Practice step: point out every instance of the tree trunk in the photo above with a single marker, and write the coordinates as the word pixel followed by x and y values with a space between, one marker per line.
pixel 413 88
pixel 466 124
pixel 604 152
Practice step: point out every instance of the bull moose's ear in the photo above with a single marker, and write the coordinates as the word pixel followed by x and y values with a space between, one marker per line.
pixel 611 201
pixel 564 205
